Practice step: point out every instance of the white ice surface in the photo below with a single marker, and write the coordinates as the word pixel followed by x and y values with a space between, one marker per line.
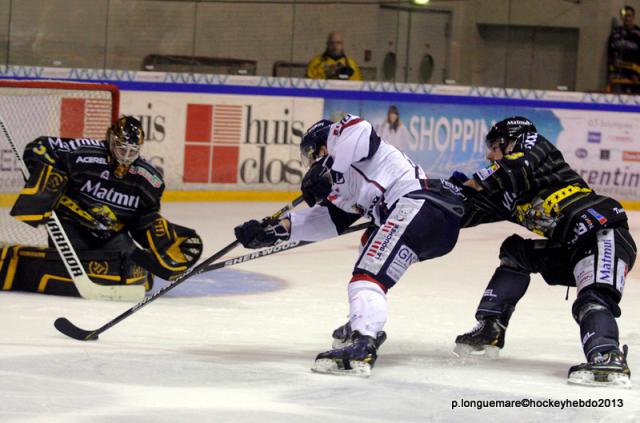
pixel 210 356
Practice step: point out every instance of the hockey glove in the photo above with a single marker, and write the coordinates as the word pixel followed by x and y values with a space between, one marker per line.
pixel 170 249
pixel 458 178
pixel 316 184
pixel 253 234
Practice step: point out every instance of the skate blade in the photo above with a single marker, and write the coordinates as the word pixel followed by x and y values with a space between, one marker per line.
pixel 614 380
pixel 331 367
pixel 488 352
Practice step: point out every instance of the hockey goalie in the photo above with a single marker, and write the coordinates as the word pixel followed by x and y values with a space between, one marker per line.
pixel 108 200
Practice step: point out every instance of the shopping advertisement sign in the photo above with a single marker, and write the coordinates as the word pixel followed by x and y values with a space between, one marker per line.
pixel 227 142
pixel 603 147
pixel 440 137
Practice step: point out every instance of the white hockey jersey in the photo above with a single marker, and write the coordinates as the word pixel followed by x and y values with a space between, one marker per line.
pixel 369 176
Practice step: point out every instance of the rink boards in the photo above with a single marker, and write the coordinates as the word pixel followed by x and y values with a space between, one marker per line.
pixel 236 138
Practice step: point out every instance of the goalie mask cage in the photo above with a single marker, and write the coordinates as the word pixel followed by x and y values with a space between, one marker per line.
pixel 31 109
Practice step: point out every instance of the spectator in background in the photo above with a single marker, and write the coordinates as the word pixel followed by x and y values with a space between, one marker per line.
pixel 395 132
pixel 623 52
pixel 333 63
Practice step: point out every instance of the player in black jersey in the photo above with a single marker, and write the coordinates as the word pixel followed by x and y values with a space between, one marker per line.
pixel 106 196
pixel 587 245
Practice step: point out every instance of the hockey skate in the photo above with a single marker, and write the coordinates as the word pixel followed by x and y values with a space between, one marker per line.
pixel 608 369
pixel 484 340
pixel 356 359
pixel 343 337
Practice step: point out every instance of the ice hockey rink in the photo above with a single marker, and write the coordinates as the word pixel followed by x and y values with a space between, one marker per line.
pixel 236 345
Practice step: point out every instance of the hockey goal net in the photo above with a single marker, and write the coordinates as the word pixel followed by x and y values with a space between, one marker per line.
pixel 30 109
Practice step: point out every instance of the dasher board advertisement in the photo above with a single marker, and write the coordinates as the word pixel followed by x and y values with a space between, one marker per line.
pixel 224 142
pixel 603 147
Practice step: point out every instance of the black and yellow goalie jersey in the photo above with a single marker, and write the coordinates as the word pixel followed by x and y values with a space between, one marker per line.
pixel 75 178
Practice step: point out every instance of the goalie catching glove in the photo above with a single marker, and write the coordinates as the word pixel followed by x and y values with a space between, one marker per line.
pixel 253 234
pixel 169 249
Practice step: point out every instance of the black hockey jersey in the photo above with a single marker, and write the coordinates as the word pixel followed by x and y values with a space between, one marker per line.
pixel 534 187
pixel 94 198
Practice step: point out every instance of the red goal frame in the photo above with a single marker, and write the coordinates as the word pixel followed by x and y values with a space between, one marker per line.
pixel 69 85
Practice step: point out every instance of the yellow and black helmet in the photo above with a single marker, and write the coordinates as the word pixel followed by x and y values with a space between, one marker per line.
pixel 125 138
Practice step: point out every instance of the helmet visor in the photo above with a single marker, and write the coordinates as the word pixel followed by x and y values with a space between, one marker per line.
pixel 308 156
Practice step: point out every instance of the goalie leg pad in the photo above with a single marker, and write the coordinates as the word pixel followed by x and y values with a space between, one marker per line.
pixel 40 270
pixel 170 249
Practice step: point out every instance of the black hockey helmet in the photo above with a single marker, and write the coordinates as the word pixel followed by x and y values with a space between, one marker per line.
pixel 312 140
pixel 125 138
pixel 508 130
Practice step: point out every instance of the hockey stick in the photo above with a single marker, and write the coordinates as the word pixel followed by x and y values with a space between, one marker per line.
pixel 85 286
pixel 285 246
pixel 66 327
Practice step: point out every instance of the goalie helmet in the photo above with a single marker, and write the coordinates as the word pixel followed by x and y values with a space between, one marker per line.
pixel 312 140
pixel 125 138
pixel 508 130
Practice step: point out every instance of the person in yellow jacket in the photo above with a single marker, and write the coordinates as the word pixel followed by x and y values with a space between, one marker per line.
pixel 333 63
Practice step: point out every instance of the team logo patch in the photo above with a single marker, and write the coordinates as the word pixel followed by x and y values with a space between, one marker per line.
pixel 530 141
pixel 137 271
pixel 386 239
pixel 150 177
pixel 98 267
pixel 579 229
pixel 488 171
pixel 600 218
pixel 91 159
pixel 75 144
pixel 110 195
pixel 379 247
pixel 55 182
pixel 338 178
pixel 583 272
pixel 606 254
pixel 489 293
pixel 401 262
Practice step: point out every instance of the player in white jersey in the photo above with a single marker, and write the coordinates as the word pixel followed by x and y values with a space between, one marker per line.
pixel 353 173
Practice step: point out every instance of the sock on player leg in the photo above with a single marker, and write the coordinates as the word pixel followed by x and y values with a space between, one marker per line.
pixel 367 307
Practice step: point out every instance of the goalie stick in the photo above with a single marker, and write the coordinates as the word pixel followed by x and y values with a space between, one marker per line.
pixel 85 286
pixel 66 327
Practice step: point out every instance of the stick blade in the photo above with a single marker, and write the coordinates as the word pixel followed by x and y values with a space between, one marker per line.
pixel 72 331
pixel 92 291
